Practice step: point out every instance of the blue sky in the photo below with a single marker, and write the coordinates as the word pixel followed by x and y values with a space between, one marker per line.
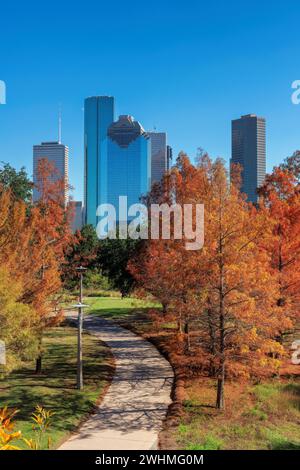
pixel 185 67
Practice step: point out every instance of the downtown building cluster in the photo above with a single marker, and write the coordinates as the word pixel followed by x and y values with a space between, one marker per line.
pixel 121 158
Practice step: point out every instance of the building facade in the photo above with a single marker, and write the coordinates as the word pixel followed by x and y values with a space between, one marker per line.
pixel 98 116
pixel 58 154
pixel 159 155
pixel 117 158
pixel 169 157
pixel 77 212
pixel 249 150
pixel 128 165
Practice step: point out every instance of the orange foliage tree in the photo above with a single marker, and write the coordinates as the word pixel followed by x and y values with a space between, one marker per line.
pixel 281 196
pixel 223 296
pixel 17 320
pixel 50 222
pixel 32 242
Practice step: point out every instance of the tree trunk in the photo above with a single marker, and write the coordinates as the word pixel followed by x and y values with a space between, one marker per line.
pixel 38 365
pixel 38 362
pixel 212 335
pixel 180 323
pixel 220 404
pixel 187 334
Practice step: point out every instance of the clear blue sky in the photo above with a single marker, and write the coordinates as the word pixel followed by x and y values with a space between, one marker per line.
pixel 187 67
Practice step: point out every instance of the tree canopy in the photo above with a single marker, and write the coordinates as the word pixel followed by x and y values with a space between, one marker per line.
pixel 17 181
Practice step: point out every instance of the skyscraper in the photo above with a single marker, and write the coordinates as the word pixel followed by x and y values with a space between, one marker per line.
pixel 117 157
pixel 160 154
pixel 58 154
pixel 98 115
pixel 169 156
pixel 77 212
pixel 249 150
pixel 128 166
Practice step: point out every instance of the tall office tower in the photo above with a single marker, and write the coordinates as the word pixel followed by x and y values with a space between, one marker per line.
pixel 169 156
pixel 117 157
pixel 128 165
pixel 98 116
pixel 77 215
pixel 249 150
pixel 159 155
pixel 58 154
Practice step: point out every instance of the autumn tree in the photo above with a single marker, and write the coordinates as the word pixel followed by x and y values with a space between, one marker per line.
pixel 281 197
pixel 241 291
pixel 32 246
pixel 291 165
pixel 223 294
pixel 17 319
pixel 50 222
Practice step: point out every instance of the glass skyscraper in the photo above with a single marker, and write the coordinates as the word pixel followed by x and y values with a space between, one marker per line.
pixel 249 150
pixel 117 157
pixel 98 115
pixel 160 155
pixel 58 154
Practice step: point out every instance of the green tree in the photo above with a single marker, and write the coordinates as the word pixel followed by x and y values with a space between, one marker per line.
pixel 17 181
pixel 82 251
pixel 112 259
pixel 292 164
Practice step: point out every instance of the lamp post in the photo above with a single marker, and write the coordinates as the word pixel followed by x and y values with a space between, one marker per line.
pixel 81 270
pixel 80 306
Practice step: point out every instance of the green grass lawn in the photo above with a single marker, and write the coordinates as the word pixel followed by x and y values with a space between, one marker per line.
pixel 116 307
pixel 55 389
pixel 264 416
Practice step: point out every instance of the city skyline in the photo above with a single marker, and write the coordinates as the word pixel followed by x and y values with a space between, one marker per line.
pixel 111 172
pixel 201 78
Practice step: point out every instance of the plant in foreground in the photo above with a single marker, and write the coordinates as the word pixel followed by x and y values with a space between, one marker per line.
pixel 8 437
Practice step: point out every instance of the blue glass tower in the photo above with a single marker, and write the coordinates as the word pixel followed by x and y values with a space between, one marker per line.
pixel 117 158
pixel 98 115
pixel 128 167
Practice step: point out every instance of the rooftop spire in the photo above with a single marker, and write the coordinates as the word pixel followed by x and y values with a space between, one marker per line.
pixel 59 123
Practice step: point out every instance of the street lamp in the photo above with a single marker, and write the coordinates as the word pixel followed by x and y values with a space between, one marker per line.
pixel 80 307
pixel 81 270
pixel 79 345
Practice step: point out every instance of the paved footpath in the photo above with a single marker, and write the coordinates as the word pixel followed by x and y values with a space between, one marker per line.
pixel 131 414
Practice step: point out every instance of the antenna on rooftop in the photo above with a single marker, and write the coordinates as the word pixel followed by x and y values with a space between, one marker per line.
pixel 59 123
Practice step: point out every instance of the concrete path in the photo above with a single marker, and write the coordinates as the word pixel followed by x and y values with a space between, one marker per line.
pixel 131 414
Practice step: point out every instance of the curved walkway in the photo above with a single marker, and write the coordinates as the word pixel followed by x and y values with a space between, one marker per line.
pixel 131 414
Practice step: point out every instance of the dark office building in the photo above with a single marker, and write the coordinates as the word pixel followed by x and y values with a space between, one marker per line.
pixel 249 150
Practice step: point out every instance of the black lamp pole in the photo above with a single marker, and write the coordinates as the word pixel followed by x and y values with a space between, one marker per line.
pixel 80 306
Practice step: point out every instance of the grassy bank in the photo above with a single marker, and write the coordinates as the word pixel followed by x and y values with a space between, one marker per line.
pixel 55 389
pixel 263 416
